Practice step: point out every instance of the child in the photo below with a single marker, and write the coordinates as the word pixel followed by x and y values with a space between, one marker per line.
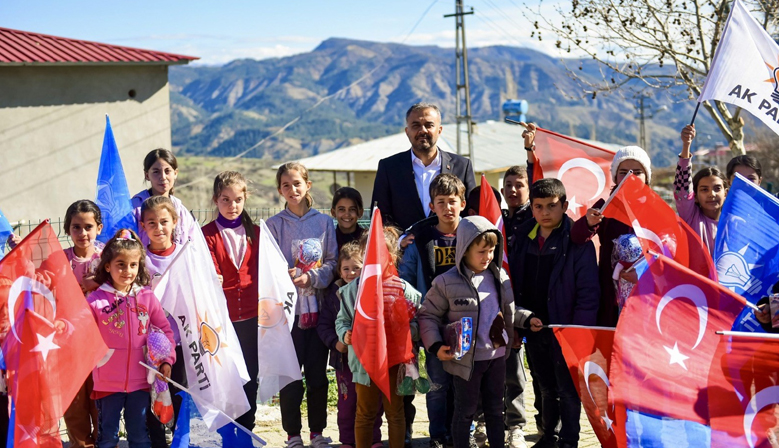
pixel 483 368
pixel 557 281
pixel 158 219
pixel 747 166
pixel 431 254
pixel 764 315
pixel 368 394
pixel 233 241
pixel 160 169
pixel 699 202
pixel 126 310
pixel 298 221
pixel 349 268
pixel 347 209
pixel 83 223
pixel 627 159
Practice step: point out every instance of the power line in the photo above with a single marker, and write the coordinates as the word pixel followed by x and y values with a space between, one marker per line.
pixel 321 100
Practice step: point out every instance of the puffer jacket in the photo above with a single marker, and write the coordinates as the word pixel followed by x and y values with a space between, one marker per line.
pixel 453 296
pixel 124 321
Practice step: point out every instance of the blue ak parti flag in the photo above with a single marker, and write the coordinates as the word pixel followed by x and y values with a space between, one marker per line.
pixel 650 431
pixel 181 436
pixel 5 231
pixel 746 251
pixel 113 196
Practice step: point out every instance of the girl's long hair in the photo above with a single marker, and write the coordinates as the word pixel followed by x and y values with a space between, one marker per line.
pixel 294 166
pixel 234 178
pixel 125 240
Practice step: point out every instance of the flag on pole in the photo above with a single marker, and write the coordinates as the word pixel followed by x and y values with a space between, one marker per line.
pixel 583 168
pixel 113 196
pixel 587 351
pixel 745 68
pixel 747 246
pixel 665 341
pixel 490 209
pixel 5 232
pixel 276 317
pixel 53 343
pixel 190 291
pixel 369 338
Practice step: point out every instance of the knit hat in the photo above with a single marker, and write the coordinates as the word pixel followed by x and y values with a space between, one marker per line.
pixel 632 153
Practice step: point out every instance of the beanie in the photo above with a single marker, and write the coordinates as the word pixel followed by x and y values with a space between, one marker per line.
pixel 632 153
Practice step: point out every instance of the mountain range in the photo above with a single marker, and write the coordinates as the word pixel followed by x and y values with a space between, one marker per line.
pixel 226 110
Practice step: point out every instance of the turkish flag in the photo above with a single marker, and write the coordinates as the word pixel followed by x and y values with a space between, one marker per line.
pixel 53 342
pixel 665 341
pixel 657 226
pixel 587 351
pixel 584 169
pixel 490 209
pixel 369 337
pixel 743 391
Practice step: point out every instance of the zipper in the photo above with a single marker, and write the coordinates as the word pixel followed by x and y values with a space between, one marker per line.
pixel 129 342
pixel 476 325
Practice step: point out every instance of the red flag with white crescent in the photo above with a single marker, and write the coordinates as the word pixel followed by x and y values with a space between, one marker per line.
pixel 369 337
pixel 490 209
pixel 584 169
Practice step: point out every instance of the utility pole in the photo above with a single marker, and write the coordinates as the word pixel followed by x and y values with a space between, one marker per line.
pixel 642 116
pixel 463 87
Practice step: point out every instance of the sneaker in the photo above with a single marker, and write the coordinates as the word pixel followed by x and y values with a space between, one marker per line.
pixel 437 443
pixel 480 435
pixel 378 445
pixel 516 438
pixel 319 441
pixel 545 443
pixel 294 442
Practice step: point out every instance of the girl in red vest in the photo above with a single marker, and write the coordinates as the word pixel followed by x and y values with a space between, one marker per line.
pixel 233 240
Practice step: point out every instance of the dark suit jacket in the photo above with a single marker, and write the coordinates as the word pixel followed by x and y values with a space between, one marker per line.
pixel 395 191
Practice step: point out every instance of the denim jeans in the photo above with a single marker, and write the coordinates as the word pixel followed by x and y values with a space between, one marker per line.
pixel 109 409
pixel 488 379
pixel 439 401
pixel 558 393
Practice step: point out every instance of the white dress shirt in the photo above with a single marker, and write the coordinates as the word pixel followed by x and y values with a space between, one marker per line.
pixel 423 176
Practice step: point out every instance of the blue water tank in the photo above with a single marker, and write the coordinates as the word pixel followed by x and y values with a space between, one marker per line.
pixel 515 110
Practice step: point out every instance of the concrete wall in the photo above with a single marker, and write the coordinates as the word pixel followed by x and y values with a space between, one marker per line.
pixel 52 121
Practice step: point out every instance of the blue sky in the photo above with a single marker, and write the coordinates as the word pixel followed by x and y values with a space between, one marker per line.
pixel 219 32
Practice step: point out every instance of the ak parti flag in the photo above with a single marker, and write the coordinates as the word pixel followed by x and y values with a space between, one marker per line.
pixel 584 169
pixel 369 337
pixel 665 341
pixel 743 391
pixel 657 226
pixel 53 343
pixel 490 209
pixel 113 195
pixel 587 351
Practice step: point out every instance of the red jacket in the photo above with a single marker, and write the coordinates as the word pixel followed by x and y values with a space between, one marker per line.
pixel 240 285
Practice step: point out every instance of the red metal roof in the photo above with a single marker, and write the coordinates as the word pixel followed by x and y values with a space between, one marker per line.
pixel 26 48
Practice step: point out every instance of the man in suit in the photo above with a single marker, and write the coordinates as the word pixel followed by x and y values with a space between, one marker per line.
pixel 401 188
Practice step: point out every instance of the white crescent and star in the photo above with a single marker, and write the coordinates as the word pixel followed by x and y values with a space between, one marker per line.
pixel 368 271
pixel 592 368
pixel 762 399
pixel 45 345
pixel 696 295
pixel 647 234
pixel 589 165
pixel 21 285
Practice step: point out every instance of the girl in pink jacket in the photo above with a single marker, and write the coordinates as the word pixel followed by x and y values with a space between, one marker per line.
pixel 126 311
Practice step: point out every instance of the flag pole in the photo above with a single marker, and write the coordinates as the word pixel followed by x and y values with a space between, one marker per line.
pixel 614 193
pixel 197 398
pixel 746 334
pixel 695 114
pixel 585 327
pixel 510 121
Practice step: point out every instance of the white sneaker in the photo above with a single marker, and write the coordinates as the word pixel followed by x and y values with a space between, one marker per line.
pixel 516 438
pixel 480 435
pixel 295 442
pixel 320 441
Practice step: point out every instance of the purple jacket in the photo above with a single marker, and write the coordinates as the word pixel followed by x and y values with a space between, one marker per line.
pixel 331 305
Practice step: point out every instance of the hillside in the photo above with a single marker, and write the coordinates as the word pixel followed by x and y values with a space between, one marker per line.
pixel 222 111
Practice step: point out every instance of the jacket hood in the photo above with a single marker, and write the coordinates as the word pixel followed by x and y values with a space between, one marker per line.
pixel 107 287
pixel 142 195
pixel 288 216
pixel 467 231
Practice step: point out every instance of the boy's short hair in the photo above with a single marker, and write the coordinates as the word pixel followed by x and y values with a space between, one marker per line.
pixel 350 250
pixel 489 237
pixel 516 170
pixel 446 184
pixel 547 188
pixel 474 198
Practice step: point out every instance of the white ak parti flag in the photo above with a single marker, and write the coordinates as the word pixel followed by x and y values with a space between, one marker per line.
pixel 276 316
pixel 745 69
pixel 216 372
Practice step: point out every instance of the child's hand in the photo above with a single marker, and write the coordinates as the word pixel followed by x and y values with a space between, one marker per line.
pixel 88 284
pixel 13 240
pixel 444 354
pixel 629 275
pixel 764 315
pixel 529 134
pixel 164 371
pixel 304 281
pixel 407 240
pixel 348 338
pixel 341 347
pixel 594 217
pixel 688 134
pixel 536 325
pixel 221 279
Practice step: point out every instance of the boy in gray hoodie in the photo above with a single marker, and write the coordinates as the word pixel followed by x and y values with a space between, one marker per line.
pixel 478 288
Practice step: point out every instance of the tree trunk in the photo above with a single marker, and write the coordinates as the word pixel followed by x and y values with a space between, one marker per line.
pixel 736 143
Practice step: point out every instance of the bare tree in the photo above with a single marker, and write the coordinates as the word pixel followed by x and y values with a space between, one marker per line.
pixel 634 41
